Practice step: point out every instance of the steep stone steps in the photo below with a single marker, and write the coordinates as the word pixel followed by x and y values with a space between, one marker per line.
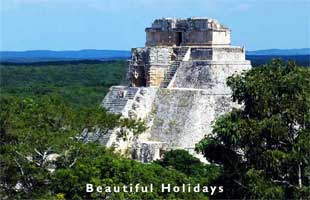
pixel 117 98
pixel 105 138
pixel 174 66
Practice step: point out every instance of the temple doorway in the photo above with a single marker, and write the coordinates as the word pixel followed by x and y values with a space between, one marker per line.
pixel 179 38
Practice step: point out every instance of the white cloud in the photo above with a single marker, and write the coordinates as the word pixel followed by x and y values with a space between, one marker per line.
pixel 241 7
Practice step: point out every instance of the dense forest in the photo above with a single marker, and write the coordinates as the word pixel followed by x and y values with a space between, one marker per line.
pixel 260 151
pixel 80 83
pixel 257 60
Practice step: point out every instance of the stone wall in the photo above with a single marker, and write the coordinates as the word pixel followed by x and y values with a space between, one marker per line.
pixel 182 117
pixel 156 75
pixel 160 55
pixel 162 38
pixel 187 32
pixel 201 53
pixel 218 53
pixel 148 66
pixel 207 75
pixel 160 59
pixel 137 67
pixel 197 37
pixel 221 37
pixel 228 54
pixel 147 151
pixel 142 102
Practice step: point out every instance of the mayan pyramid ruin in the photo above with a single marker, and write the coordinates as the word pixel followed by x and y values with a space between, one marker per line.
pixel 177 85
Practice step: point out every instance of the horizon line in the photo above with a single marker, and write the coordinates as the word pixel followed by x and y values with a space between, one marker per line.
pixel 56 50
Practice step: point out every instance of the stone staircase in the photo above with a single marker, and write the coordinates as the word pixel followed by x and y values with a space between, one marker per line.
pixel 118 101
pixel 136 105
pixel 117 98
pixel 174 66
pixel 130 102
pixel 105 138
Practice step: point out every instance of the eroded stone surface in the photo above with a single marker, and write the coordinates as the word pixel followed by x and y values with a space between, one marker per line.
pixel 187 32
pixel 182 117
pixel 177 85
pixel 206 75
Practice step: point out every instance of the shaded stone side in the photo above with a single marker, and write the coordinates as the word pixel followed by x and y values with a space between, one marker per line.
pixel 137 71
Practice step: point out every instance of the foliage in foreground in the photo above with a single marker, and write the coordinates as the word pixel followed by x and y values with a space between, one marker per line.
pixel 100 167
pixel 186 163
pixel 35 132
pixel 264 147
pixel 43 157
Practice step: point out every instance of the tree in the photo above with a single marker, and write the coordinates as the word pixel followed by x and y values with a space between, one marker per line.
pixel 102 167
pixel 186 163
pixel 36 134
pixel 264 146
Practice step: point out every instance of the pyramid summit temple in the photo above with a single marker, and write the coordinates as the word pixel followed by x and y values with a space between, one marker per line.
pixel 177 85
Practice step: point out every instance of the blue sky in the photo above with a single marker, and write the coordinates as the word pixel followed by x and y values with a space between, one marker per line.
pixel 119 24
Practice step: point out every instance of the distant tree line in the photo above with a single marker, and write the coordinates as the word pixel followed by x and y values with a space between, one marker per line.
pixel 300 60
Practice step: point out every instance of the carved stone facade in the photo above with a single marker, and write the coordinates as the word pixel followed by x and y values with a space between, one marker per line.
pixel 177 85
pixel 187 32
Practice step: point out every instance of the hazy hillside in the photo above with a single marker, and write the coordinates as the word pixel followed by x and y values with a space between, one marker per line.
pixel 301 60
pixel 283 52
pixel 47 55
